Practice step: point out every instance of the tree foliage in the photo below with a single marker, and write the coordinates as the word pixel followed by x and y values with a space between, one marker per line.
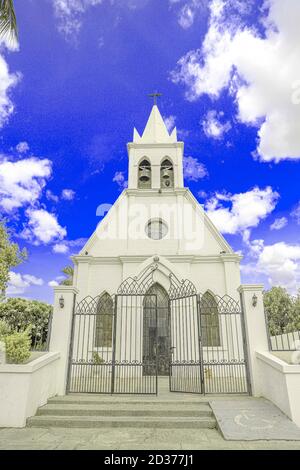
pixel 8 21
pixel 10 256
pixel 20 314
pixel 282 311
pixel 69 272
pixel 17 346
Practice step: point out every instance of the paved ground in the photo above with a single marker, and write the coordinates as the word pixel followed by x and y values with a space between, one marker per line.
pixel 251 419
pixel 127 439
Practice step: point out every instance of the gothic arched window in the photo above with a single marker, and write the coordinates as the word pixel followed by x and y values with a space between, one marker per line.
pixel 104 322
pixel 144 175
pixel 210 328
pixel 166 174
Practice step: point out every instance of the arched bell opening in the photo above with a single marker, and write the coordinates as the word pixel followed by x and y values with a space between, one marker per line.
pixel 144 175
pixel 166 174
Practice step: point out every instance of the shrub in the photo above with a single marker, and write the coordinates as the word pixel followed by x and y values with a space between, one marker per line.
pixel 20 313
pixel 97 359
pixel 4 330
pixel 18 346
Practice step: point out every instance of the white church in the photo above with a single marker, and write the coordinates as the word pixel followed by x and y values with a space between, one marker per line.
pixel 156 307
pixel 157 286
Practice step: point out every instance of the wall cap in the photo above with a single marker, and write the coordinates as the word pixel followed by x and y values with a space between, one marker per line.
pixel 277 363
pixel 65 289
pixel 32 366
pixel 251 288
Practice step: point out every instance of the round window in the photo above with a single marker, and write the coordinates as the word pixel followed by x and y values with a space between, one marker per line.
pixel 156 229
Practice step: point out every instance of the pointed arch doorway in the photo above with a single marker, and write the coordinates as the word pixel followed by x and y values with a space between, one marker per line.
pixel 156 332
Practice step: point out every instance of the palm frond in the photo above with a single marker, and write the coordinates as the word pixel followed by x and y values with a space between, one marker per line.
pixel 69 272
pixel 8 21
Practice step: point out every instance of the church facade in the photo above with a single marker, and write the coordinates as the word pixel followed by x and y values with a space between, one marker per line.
pixel 157 286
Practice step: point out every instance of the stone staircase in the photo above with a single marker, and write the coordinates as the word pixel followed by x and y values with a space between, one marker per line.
pixel 102 411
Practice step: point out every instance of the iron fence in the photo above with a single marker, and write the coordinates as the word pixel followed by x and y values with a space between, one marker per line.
pixel 41 340
pixel 289 341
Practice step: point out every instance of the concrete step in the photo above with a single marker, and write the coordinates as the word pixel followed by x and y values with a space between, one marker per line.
pixel 123 409
pixel 125 400
pixel 122 422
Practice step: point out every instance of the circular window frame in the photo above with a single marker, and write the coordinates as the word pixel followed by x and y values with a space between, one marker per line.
pixel 165 225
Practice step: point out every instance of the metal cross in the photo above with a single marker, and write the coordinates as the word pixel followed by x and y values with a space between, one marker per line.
pixel 155 96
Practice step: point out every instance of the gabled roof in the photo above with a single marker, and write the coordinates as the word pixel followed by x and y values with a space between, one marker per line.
pixel 155 131
pixel 214 232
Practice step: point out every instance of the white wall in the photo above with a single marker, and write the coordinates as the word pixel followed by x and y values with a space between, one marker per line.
pixel 99 275
pixel 26 387
pixel 280 383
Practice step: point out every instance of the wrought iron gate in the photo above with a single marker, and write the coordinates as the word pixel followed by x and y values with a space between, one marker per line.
pixel 114 341
pixel 223 345
pixel 209 353
pixel 122 343
pixel 186 372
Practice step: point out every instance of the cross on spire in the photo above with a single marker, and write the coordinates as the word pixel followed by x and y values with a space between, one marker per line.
pixel 155 96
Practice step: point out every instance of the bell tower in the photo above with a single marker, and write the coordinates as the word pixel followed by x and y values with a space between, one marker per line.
pixel 155 158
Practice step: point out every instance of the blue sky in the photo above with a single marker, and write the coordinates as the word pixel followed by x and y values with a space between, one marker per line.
pixel 78 83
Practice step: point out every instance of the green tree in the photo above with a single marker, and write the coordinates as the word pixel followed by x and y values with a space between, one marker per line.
pixel 294 322
pixel 8 21
pixel 69 272
pixel 20 314
pixel 279 309
pixel 10 256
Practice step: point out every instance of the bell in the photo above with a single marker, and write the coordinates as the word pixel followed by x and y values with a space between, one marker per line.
pixel 166 174
pixel 145 174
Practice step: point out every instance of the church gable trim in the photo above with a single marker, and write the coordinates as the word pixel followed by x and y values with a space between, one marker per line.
pixel 209 224
pixel 224 246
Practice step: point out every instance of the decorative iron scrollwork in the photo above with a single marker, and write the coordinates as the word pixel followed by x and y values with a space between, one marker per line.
pixel 140 284
pixel 225 305
pixel 180 289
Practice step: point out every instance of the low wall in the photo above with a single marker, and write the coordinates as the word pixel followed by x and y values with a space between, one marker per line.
pixel 280 383
pixel 25 387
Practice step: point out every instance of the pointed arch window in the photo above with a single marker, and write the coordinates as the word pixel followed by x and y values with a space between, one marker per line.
pixel 144 174
pixel 166 174
pixel 104 322
pixel 210 327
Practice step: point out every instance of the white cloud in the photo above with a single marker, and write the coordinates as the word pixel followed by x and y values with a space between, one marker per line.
pixel 188 11
pixel 170 122
pixel 69 14
pixel 7 82
pixel 262 72
pixel 19 283
pixel 120 179
pixel 22 181
pixel 278 224
pixel 280 262
pixel 79 242
pixel 243 211
pixel 193 170
pixel 296 213
pixel 68 194
pixel 42 227
pixel 66 245
pixel 202 194
pixel 22 147
pixel 52 283
pixel 213 126
pixel 51 197
pixel 60 248
pixel 276 265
